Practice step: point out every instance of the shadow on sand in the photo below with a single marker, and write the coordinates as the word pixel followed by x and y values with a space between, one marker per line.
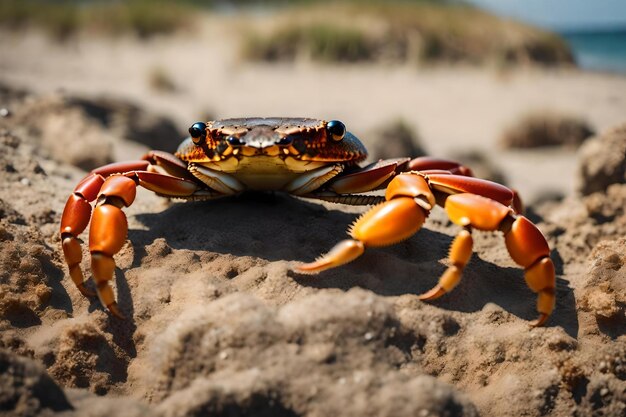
pixel 279 227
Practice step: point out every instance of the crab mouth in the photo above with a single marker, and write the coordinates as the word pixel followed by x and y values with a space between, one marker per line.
pixel 265 149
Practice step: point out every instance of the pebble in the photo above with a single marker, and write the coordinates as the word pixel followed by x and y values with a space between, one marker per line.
pixel 4 112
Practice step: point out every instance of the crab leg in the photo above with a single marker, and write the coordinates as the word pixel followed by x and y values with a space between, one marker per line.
pixel 345 189
pixel 434 166
pixel 427 163
pixel 409 200
pixel 167 163
pixel 109 227
pixel 77 213
pixel 460 253
pixel 107 234
pixel 524 242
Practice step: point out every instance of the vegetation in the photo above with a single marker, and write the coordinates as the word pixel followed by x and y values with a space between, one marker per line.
pixel 423 32
pixel 64 18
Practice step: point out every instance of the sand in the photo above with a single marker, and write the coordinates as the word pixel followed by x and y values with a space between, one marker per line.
pixel 452 108
pixel 219 324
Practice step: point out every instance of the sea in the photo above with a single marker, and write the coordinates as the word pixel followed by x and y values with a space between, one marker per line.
pixel 599 50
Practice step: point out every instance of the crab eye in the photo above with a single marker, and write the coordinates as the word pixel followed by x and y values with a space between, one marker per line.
pixel 234 141
pixel 197 132
pixel 336 129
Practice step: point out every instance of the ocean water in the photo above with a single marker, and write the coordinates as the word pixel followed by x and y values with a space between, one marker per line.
pixel 599 50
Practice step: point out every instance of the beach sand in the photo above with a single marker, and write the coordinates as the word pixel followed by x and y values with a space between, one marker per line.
pixel 219 324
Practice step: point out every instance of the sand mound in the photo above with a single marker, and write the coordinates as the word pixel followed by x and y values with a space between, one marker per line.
pixel 219 324
pixel 603 161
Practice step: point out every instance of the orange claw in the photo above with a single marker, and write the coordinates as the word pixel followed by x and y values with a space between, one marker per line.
pixel 109 227
pixel 343 252
pixel 384 224
pixel 389 222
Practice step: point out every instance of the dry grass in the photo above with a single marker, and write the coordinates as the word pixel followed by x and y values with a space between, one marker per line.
pixel 62 19
pixel 402 32
pixel 319 41
pixel 546 128
pixel 425 31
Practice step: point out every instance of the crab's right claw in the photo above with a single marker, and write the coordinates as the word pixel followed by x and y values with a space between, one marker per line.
pixel 343 252
pixel 393 221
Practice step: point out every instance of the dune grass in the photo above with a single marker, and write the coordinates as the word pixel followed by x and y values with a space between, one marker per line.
pixel 347 31
pixel 423 32
pixel 63 19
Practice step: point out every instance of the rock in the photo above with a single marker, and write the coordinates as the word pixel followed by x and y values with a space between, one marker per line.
pixel 26 389
pixel 28 276
pixel 66 132
pixel 126 120
pixel 603 161
pixel 395 140
pixel 604 290
pixel 83 132
pixel 546 128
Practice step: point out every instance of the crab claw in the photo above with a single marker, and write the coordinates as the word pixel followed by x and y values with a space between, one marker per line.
pixel 343 252
pixel 384 224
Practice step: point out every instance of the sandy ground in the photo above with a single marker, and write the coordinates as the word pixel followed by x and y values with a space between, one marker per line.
pixel 220 325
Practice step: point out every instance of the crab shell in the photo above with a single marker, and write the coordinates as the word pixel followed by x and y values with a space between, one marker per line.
pixel 269 153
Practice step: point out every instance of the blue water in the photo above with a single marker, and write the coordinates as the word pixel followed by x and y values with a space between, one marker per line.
pixel 599 50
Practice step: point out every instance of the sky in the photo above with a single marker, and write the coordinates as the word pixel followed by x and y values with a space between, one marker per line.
pixel 560 14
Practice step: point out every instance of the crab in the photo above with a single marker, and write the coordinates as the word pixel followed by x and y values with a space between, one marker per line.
pixel 315 159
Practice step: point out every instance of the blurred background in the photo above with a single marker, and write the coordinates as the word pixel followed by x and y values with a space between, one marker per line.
pixel 511 87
